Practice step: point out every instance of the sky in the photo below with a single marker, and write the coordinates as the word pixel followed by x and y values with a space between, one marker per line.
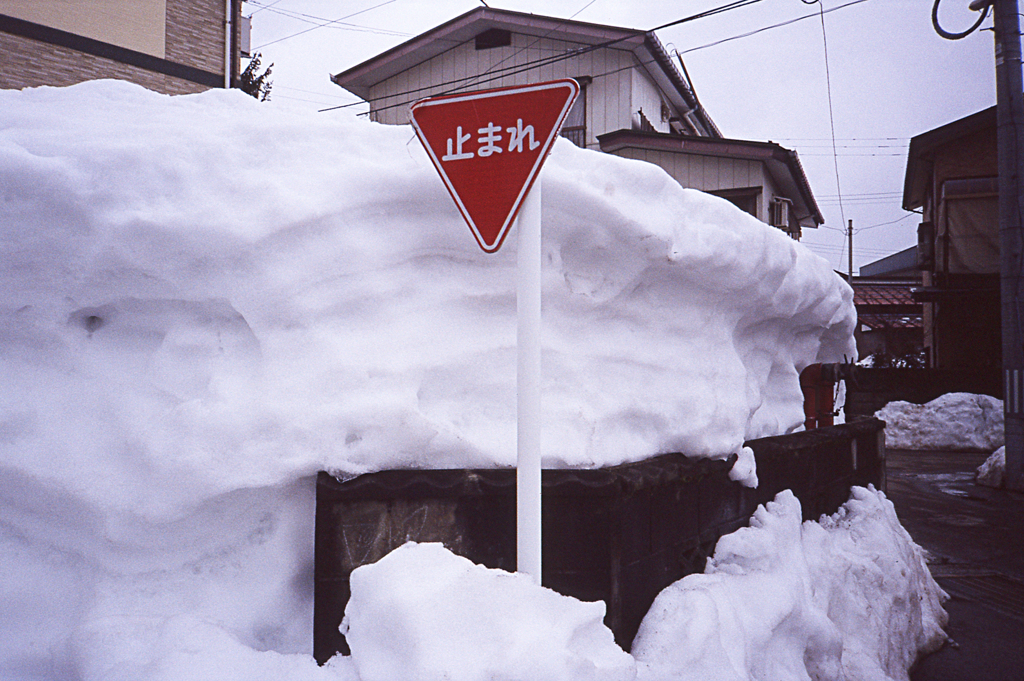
pixel 888 76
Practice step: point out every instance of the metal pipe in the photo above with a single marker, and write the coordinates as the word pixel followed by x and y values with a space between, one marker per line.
pixel 228 24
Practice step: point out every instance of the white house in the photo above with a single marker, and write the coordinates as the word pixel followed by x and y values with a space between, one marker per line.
pixel 634 102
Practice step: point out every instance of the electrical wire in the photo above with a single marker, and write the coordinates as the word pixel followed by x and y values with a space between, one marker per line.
pixel 773 26
pixel 335 21
pixel 460 83
pixel 831 115
pixel 321 22
pixel 260 8
pixel 537 40
pixel 955 36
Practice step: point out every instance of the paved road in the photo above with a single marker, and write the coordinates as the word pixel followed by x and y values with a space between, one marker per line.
pixel 975 536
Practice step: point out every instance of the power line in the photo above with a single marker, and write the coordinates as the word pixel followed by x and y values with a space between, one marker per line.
pixel 891 222
pixel 335 21
pixel 327 23
pixel 768 28
pixel 528 66
pixel 831 116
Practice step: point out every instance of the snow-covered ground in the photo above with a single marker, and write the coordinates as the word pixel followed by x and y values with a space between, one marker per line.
pixel 205 300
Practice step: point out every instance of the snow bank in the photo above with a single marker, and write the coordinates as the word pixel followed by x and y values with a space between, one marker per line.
pixel 992 473
pixel 849 597
pixel 205 300
pixel 423 613
pixel 276 292
pixel 956 421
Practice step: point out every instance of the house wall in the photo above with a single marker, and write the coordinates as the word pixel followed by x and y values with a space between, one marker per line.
pixel 171 47
pixel 708 173
pixel 609 96
pixel 136 24
pixel 969 156
pixel 647 98
pixel 962 331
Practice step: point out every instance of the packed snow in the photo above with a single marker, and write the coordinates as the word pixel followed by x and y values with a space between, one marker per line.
pixel 992 473
pixel 955 421
pixel 205 300
pixel 848 597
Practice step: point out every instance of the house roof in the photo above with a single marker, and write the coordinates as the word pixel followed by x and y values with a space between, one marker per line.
pixel 783 164
pixel 898 265
pixel 891 321
pixel 887 294
pixel 644 44
pixel 921 155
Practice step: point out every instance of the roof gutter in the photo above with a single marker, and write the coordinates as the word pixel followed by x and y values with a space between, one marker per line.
pixel 661 57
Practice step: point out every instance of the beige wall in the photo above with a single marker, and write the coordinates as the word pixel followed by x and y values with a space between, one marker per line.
pixel 133 24
pixel 191 34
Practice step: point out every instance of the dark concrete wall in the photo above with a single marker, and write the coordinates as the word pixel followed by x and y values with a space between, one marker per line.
pixel 619 534
pixel 871 389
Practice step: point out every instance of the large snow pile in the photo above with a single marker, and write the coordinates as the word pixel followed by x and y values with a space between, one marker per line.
pixel 955 421
pixel 205 300
pixel 847 598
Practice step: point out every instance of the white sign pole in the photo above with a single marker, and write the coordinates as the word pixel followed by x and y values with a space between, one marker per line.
pixel 528 388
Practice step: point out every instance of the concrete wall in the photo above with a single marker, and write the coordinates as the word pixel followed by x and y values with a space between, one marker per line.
pixel 872 389
pixel 618 534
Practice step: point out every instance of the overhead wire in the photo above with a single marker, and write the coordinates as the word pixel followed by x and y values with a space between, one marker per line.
pixel 772 26
pixel 537 40
pixel 323 22
pixel 324 25
pixel 531 65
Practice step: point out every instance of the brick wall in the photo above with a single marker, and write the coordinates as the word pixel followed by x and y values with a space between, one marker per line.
pixel 29 63
pixel 195 34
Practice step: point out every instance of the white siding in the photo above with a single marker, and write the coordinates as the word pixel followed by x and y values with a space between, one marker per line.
pixel 709 173
pixel 609 95
pixel 647 98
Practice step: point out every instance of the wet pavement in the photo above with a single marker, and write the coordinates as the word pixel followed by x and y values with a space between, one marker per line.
pixel 975 538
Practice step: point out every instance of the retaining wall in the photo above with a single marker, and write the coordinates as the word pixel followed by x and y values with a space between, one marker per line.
pixel 871 389
pixel 618 534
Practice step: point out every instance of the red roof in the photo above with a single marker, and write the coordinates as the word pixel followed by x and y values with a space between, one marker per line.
pixel 868 294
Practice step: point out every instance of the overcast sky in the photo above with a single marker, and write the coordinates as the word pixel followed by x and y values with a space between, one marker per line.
pixel 892 77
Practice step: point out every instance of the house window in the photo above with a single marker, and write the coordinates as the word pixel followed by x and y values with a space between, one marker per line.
pixel 745 198
pixel 575 126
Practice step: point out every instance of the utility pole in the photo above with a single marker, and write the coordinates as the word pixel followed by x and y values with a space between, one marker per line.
pixel 849 234
pixel 1010 141
pixel 1010 144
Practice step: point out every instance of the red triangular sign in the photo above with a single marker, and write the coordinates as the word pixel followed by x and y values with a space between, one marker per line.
pixel 488 147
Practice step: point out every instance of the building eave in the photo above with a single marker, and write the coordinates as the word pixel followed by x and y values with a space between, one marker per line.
pixel 783 164
pixel 921 154
pixel 465 27
pixel 645 46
